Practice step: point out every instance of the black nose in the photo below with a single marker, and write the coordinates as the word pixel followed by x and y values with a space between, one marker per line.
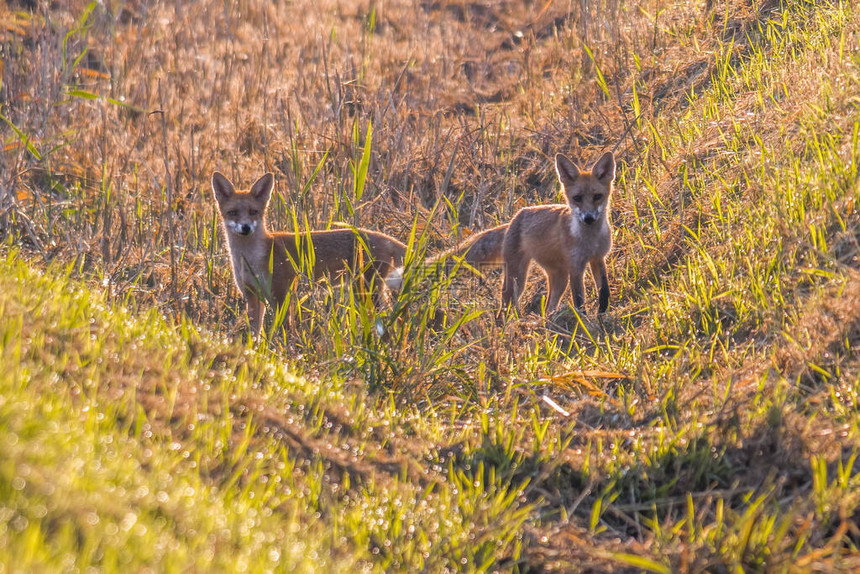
pixel 589 219
pixel 245 229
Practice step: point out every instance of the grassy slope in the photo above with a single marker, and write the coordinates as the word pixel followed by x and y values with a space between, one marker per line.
pixel 729 442
pixel 119 447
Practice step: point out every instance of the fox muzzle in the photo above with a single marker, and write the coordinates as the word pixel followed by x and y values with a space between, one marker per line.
pixel 589 217
pixel 242 228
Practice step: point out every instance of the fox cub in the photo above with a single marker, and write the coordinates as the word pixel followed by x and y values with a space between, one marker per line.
pixel 482 249
pixel 563 238
pixel 266 265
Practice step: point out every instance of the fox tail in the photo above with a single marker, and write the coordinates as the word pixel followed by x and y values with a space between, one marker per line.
pixel 478 251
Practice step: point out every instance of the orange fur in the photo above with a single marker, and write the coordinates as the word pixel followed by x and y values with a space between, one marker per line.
pixel 482 249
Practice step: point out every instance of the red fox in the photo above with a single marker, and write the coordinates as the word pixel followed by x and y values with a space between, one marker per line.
pixel 563 238
pixel 265 265
pixel 482 249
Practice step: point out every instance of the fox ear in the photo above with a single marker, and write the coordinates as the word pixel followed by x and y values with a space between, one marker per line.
pixel 567 171
pixel 221 187
pixel 604 169
pixel 262 188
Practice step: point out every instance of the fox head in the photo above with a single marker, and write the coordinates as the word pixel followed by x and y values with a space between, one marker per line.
pixel 587 192
pixel 242 211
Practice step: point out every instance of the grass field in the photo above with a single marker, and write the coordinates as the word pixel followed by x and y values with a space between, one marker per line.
pixel 708 421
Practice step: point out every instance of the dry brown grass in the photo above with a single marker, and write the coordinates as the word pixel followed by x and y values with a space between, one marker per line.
pixel 468 101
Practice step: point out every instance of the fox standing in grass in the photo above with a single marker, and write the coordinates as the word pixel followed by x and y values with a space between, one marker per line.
pixel 563 238
pixel 266 265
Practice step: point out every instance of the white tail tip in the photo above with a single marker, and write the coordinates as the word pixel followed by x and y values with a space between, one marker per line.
pixel 394 280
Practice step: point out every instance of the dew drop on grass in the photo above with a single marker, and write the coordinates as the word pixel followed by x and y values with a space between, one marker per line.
pixel 19 523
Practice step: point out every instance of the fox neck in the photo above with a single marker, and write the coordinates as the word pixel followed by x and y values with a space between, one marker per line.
pixel 249 256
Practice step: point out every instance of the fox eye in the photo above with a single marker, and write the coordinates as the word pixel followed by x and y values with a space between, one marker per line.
pixel 233 212
pixel 598 196
pixel 254 212
pixel 577 198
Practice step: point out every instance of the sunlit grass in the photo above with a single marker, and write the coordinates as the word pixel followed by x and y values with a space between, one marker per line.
pixel 129 442
pixel 708 421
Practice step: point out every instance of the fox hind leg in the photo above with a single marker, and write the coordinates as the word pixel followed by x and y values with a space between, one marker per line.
pixel 516 270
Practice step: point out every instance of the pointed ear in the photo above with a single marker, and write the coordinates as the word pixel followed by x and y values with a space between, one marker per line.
pixel 221 187
pixel 567 171
pixel 604 169
pixel 262 188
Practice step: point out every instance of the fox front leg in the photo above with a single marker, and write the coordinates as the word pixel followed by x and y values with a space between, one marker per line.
pixel 557 281
pixel 601 281
pixel 255 308
pixel 577 289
